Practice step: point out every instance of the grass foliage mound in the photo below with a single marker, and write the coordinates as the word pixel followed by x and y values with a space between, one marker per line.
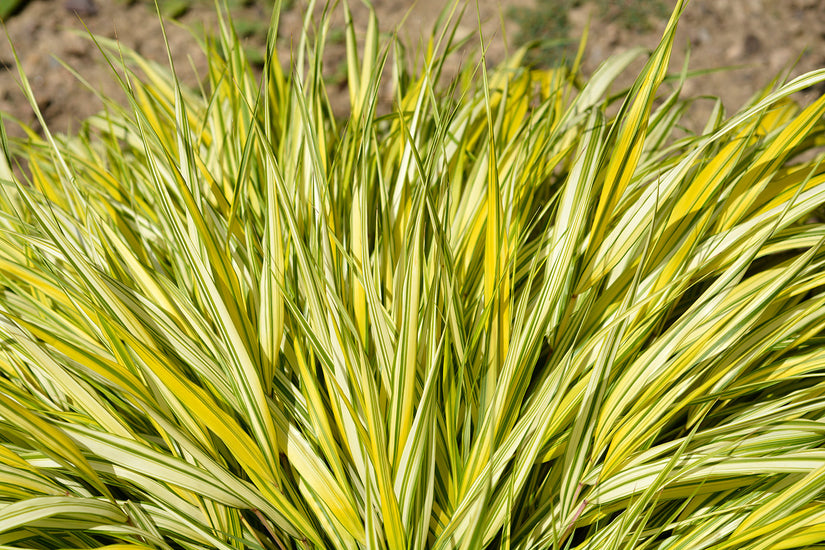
pixel 519 311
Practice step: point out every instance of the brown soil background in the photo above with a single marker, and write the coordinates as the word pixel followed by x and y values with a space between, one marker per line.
pixel 763 39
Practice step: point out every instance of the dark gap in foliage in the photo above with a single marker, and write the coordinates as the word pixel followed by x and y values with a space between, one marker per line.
pixel 770 261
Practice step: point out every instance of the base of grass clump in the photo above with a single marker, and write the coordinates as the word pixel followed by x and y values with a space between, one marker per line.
pixel 497 317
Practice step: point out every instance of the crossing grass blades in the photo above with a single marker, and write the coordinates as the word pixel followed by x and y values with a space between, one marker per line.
pixel 520 310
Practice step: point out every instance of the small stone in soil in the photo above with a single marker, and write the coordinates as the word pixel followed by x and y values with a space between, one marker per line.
pixel 81 7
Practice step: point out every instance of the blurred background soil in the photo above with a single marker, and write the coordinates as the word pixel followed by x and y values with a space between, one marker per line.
pixel 757 40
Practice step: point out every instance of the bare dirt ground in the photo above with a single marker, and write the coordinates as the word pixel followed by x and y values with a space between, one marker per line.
pixel 763 39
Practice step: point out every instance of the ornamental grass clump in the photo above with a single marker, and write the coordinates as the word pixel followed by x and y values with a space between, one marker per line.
pixel 497 316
